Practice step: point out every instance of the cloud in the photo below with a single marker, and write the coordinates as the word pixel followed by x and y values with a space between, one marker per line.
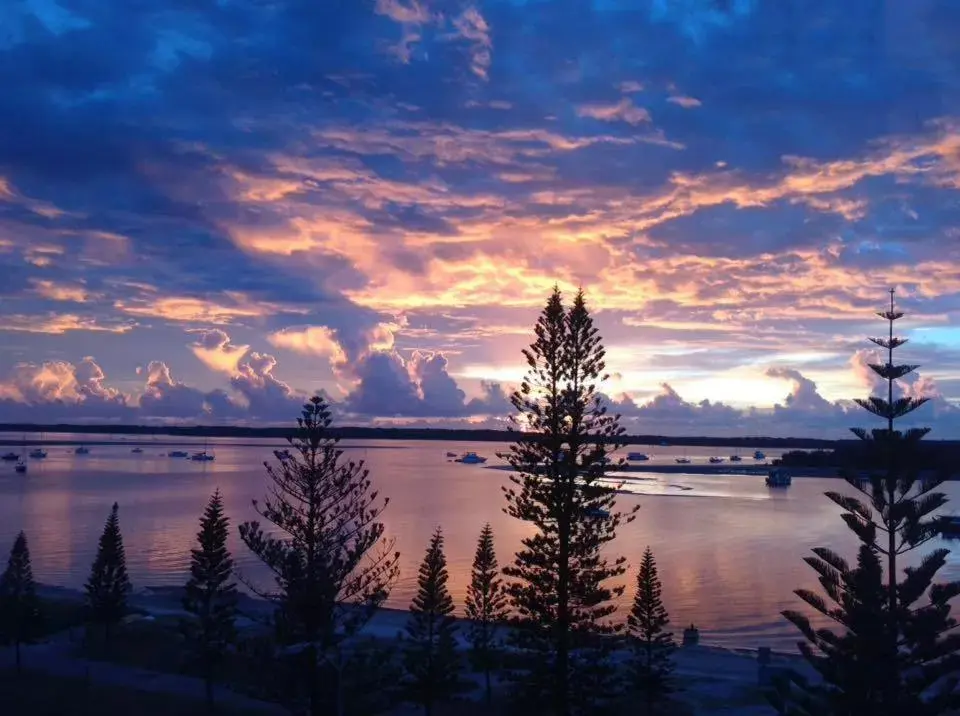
pixel 622 111
pixel 472 27
pixel 214 349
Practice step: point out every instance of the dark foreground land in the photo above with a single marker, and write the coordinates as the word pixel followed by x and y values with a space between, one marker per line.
pixel 144 669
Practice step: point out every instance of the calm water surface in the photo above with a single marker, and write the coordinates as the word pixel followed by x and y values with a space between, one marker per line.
pixel 729 549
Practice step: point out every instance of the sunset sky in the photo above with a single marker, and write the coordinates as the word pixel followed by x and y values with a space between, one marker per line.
pixel 209 210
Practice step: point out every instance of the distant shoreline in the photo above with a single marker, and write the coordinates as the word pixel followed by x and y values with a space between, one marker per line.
pixel 398 433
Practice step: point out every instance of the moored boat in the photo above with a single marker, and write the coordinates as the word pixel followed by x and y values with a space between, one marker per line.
pixel 82 450
pixel 597 512
pixel 637 456
pixel 735 458
pixel 716 460
pixel 758 455
pixel 38 453
pixel 9 456
pixel 202 456
pixel 21 466
pixel 178 453
pixel 682 461
pixel 137 450
pixel 471 458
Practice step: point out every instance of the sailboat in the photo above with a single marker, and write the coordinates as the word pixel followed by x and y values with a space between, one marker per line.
pixel 203 455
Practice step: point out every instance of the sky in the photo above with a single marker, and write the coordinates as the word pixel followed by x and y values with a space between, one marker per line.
pixel 211 209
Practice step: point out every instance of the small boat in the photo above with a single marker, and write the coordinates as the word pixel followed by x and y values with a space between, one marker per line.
pixel 778 478
pixel 471 458
pixel 452 454
pixel 682 461
pixel 21 466
pixel 637 456
pixel 282 455
pixel 137 450
pixel 38 453
pixel 758 455
pixel 82 450
pixel 735 458
pixel 716 460
pixel 178 453
pixel 596 512
pixel 202 456
pixel 9 456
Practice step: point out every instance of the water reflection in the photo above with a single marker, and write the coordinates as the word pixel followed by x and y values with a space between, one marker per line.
pixel 730 550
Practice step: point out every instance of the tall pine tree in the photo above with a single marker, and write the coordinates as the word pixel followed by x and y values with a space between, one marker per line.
pixel 20 618
pixel 431 658
pixel 326 548
pixel 486 606
pixel 108 585
pixel 898 651
pixel 210 594
pixel 559 587
pixel 652 645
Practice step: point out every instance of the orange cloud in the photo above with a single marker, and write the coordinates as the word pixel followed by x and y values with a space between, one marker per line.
pixel 195 310
pixel 622 111
pixel 58 324
pixel 59 292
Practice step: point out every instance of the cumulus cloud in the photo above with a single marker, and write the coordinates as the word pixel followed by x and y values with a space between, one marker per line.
pixel 214 349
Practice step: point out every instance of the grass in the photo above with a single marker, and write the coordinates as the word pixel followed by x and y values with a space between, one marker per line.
pixel 36 694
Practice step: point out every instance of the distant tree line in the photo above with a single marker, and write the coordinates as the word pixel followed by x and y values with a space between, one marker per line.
pixel 541 634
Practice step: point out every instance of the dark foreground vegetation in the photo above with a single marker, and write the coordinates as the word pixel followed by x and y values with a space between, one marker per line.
pixel 543 635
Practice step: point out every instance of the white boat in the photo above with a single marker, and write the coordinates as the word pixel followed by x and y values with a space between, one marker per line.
pixel 682 460
pixel 637 456
pixel 778 478
pixel 758 455
pixel 82 450
pixel 202 456
pixel 471 458
pixel 178 453
pixel 716 460
pixel 21 466
pixel 9 456
pixel 38 453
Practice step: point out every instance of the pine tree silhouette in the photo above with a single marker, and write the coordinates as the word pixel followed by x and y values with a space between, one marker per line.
pixel 210 594
pixel 331 563
pixel 559 585
pixel 431 658
pixel 652 645
pixel 486 606
pixel 108 585
pixel 898 652
pixel 20 617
